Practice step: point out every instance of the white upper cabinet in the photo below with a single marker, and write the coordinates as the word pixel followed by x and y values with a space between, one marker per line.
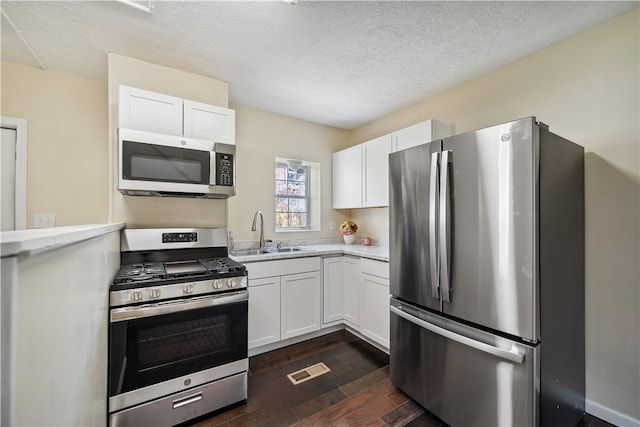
pixel 420 133
pixel 347 178
pixel 210 122
pixel 375 171
pixel 155 112
pixel 371 160
pixel 361 174
pixel 149 111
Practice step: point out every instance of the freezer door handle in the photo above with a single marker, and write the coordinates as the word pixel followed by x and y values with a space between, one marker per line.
pixel 512 355
pixel 433 229
pixel 444 220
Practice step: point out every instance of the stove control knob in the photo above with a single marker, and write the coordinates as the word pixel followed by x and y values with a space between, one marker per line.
pixel 154 293
pixel 231 283
pixel 217 284
pixel 135 296
pixel 188 289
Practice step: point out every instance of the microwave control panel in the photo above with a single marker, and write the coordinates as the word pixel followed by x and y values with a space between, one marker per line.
pixel 224 169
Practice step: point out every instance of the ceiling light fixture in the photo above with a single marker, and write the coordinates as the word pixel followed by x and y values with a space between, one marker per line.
pixel 291 1
pixel 133 4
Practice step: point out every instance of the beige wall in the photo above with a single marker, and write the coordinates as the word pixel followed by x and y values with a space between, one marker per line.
pixel 260 137
pixel 67 142
pixel 587 90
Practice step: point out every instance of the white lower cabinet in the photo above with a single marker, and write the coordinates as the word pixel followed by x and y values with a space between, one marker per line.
pixel 300 304
pixel 356 292
pixel 333 289
pixel 375 320
pixel 341 290
pixel 264 311
pixel 375 313
pixel 284 299
pixel 352 291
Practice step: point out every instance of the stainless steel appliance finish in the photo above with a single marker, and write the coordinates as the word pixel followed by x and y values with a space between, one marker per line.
pixel 178 327
pixel 487 237
pixel 184 406
pixel 473 378
pixel 153 164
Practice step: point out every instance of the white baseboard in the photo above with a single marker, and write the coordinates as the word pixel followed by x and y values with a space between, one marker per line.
pixel 609 415
pixel 284 343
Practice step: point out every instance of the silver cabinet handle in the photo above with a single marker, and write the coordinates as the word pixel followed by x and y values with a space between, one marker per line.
pixel 445 225
pixel 433 229
pixel 512 355
pixel 187 400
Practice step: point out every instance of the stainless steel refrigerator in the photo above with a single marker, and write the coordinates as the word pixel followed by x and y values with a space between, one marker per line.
pixel 487 276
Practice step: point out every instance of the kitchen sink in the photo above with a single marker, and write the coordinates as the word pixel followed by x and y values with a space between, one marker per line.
pixel 245 252
pixel 284 250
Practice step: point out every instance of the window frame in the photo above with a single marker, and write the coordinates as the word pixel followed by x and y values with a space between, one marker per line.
pixel 306 197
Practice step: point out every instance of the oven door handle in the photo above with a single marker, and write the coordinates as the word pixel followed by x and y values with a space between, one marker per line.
pixel 157 309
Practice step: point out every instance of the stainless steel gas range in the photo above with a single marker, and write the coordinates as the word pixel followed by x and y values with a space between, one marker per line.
pixel 178 327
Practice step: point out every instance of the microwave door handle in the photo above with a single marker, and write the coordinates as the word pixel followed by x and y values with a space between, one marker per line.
pixel 433 229
pixel 212 168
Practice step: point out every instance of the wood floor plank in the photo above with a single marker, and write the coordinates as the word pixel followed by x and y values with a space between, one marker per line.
pixel 364 408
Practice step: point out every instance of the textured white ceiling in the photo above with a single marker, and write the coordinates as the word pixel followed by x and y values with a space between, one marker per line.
pixel 340 63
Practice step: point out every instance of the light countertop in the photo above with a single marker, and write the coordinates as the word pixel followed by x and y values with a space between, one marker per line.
pixel 376 252
pixel 22 242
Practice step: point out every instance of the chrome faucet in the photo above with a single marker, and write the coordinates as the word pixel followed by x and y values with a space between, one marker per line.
pixel 253 227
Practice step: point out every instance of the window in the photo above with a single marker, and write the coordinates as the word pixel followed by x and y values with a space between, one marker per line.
pixel 292 196
pixel 297 195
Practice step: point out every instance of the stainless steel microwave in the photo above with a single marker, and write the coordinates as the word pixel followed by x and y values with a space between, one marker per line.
pixel 152 164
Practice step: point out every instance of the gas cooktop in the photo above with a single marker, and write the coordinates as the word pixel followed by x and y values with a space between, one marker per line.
pixel 158 264
pixel 159 272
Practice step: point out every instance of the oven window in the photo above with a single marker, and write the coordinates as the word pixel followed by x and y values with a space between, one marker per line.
pixel 150 350
pixel 182 342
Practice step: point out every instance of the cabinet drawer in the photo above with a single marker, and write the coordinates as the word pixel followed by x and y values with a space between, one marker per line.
pixel 375 268
pixel 282 267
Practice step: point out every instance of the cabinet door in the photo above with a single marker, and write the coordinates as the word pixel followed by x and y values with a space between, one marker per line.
pixel 300 299
pixel 209 122
pixel 375 303
pixel 413 135
pixel 375 171
pixel 264 311
pixel 149 111
pixel 333 289
pixel 347 178
pixel 352 290
pixel 420 133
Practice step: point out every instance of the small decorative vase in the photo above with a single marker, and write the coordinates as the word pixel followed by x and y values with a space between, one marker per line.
pixel 349 238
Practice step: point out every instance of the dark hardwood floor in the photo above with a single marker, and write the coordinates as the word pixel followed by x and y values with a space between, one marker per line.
pixel 356 392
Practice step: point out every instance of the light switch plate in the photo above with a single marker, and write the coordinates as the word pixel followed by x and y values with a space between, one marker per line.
pixel 44 220
pixel 332 225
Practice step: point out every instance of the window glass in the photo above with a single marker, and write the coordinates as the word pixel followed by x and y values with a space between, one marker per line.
pixel 297 195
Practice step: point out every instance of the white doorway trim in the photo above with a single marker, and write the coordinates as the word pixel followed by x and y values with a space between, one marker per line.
pixel 20 126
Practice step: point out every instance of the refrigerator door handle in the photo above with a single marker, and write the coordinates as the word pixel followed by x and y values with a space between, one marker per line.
pixel 445 225
pixel 433 229
pixel 512 355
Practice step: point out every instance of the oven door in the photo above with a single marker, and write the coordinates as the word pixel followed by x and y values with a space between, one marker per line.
pixel 165 163
pixel 162 348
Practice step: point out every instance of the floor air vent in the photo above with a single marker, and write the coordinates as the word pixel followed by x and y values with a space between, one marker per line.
pixel 307 373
